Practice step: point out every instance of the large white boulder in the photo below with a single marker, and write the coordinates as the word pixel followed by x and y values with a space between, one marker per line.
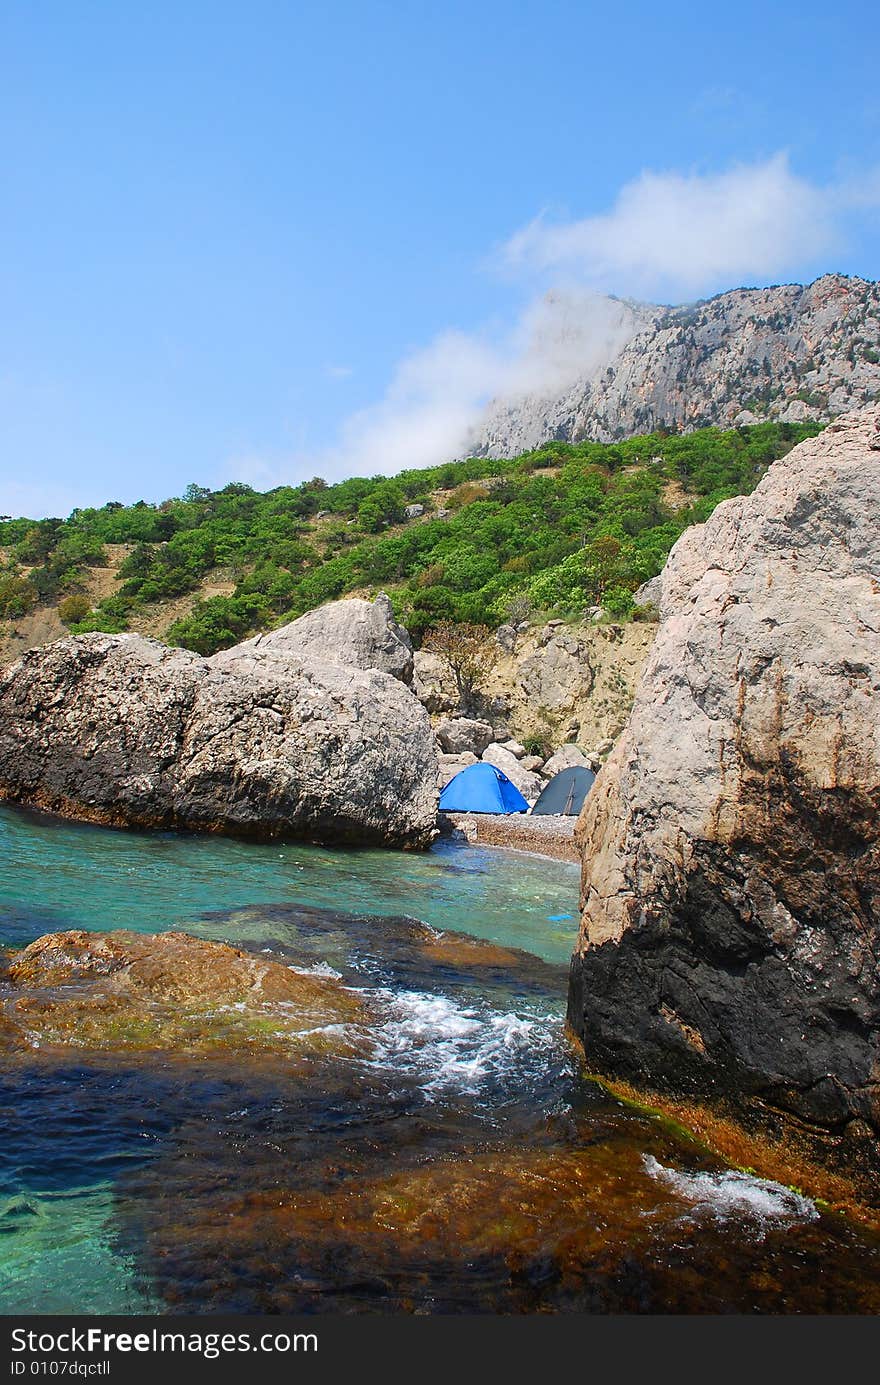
pixel 122 730
pixel 354 633
pixel 462 734
pixel 731 845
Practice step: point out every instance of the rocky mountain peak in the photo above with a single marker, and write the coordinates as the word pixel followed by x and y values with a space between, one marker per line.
pixel 789 352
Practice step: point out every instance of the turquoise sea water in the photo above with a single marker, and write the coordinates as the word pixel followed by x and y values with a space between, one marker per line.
pixel 62 875
pixel 57 1249
pixel 451 1159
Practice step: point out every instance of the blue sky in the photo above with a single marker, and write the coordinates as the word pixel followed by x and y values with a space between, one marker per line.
pixel 247 240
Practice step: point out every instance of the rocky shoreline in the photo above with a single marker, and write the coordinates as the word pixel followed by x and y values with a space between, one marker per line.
pixel 731 847
pixel 550 836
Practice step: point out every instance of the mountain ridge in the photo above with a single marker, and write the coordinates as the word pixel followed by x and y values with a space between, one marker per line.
pixel 787 353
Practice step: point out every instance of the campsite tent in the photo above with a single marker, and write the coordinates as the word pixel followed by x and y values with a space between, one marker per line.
pixel 566 791
pixel 482 788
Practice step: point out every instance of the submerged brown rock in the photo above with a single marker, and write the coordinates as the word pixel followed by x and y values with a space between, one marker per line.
pixel 510 1229
pixel 125 991
pixel 731 846
pixel 121 730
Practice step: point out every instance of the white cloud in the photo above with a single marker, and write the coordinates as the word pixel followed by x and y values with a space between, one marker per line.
pixel 668 237
pixel 438 394
pixel 426 413
pixel 563 336
pixel 689 233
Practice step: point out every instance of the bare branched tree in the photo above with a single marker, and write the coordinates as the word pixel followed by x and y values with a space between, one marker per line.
pixel 468 652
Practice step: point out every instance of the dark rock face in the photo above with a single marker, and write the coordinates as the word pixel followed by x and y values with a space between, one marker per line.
pixel 704 1004
pixel 731 846
pixel 119 729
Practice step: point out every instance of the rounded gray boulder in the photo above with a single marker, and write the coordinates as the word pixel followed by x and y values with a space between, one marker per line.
pixel 120 729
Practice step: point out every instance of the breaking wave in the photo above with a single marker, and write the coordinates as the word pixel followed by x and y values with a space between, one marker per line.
pixel 449 1047
pixel 735 1194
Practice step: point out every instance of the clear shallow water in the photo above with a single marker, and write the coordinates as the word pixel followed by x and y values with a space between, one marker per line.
pixel 449 1158
pixel 61 875
pixel 57 1255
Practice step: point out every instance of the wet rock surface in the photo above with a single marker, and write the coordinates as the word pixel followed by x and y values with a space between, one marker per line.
pixel 125 991
pixel 450 1160
pixel 538 1231
pixel 731 845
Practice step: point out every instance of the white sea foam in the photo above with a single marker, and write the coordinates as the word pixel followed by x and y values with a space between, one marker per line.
pixel 451 1047
pixel 319 969
pixel 735 1194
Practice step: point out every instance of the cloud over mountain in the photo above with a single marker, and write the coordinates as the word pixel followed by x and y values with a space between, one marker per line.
pixel 668 237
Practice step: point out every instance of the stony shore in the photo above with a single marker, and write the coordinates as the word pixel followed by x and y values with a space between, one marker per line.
pixel 544 835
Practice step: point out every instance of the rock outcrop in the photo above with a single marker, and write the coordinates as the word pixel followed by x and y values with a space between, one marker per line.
pixel 528 783
pixel 558 672
pixel 121 730
pixel 462 734
pixel 122 991
pixel 569 757
pixel 433 682
pixel 353 633
pixel 731 845
pixel 451 765
pixel 567 683
pixel 789 352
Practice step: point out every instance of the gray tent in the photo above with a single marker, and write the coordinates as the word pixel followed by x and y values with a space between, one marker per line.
pixel 566 792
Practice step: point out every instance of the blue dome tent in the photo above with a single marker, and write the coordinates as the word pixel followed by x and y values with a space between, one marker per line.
pixel 482 788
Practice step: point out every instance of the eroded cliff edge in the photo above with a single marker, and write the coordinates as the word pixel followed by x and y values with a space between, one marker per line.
pixel 731 846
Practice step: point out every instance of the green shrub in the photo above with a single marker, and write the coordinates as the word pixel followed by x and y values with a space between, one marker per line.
pixel 592 531
pixel 74 609
pixel 618 601
pixel 17 596
pixel 539 743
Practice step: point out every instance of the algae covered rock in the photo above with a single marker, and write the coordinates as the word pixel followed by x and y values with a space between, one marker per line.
pixel 731 845
pixel 124 991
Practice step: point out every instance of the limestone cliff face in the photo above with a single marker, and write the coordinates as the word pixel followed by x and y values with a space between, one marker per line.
pixel 120 729
pixel 557 682
pixel 731 845
pixel 788 352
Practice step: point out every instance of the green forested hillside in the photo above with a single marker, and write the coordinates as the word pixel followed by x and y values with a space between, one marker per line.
pixel 554 530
